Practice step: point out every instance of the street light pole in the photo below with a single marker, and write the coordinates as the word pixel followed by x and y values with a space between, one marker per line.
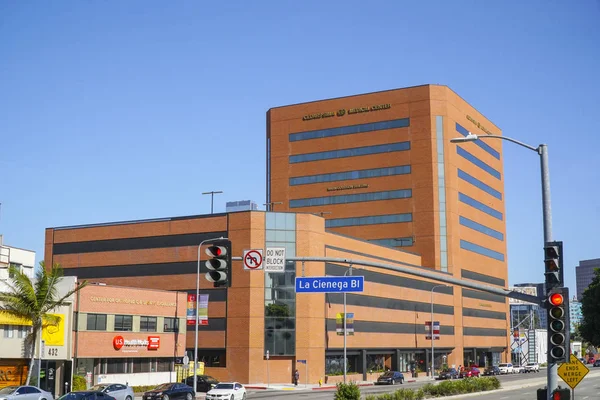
pixel 349 270
pixel 431 332
pixel 542 151
pixel 197 313
pixel 212 197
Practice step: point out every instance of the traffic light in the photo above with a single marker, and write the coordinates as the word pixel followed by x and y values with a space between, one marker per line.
pixel 553 260
pixel 219 263
pixel 558 325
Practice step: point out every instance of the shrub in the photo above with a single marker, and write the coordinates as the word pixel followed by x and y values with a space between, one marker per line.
pixel 347 391
pixel 141 389
pixel 79 383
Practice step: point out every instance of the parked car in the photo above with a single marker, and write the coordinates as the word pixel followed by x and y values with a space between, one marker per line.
pixel 168 391
pixel 532 367
pixel 24 393
pixel 227 391
pixel 203 384
pixel 390 378
pixel 491 370
pixel 597 363
pixel 591 360
pixel 86 395
pixel 469 372
pixel 518 369
pixel 116 390
pixel 506 368
pixel 448 373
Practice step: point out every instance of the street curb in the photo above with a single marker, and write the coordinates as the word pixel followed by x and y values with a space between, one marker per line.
pixel 334 387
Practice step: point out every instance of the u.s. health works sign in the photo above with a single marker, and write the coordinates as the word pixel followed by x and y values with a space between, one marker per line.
pixel 330 284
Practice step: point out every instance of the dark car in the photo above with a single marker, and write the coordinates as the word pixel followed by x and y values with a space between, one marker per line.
pixel 470 372
pixel 597 363
pixel 203 384
pixel 448 373
pixel 390 378
pixel 170 391
pixel 86 395
pixel 491 370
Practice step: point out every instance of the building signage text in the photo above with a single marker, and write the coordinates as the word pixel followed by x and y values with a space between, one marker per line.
pixel 151 343
pixel 477 124
pixel 343 111
pixel 347 187
pixel 132 301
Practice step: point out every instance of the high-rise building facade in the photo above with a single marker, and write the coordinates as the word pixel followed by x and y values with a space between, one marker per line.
pixel 584 274
pixel 380 167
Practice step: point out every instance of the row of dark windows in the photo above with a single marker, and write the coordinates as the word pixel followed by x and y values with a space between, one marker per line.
pixel 484 251
pixel 370 220
pixel 480 206
pixel 350 175
pixel 353 152
pixel 351 198
pixel 479 184
pixel 394 242
pixel 124 323
pixel 476 161
pixel 463 131
pixel 349 130
pixel 481 228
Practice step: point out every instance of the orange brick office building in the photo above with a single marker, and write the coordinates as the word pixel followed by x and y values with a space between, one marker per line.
pixel 128 335
pixel 261 311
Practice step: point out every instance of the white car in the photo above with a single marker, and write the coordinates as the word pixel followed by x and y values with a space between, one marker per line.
pixel 24 393
pixel 227 391
pixel 116 390
pixel 506 368
pixel 532 367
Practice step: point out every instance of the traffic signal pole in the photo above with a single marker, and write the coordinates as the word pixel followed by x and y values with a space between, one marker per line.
pixel 552 371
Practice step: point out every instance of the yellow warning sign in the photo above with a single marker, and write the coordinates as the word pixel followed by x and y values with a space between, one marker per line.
pixel 572 372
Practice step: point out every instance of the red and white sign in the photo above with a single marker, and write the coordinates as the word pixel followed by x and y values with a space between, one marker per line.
pixel 118 342
pixel 436 330
pixel 153 342
pixel 253 259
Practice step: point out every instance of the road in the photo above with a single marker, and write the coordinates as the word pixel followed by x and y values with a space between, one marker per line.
pixel 590 387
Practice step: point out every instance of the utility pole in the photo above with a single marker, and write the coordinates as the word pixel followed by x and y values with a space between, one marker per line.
pixel 212 197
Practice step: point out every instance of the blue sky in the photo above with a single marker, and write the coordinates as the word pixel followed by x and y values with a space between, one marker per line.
pixel 111 110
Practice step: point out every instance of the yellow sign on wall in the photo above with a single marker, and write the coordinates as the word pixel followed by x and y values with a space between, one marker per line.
pixel 54 334
pixel 573 372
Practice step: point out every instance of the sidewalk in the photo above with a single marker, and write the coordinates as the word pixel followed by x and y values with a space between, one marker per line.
pixel 306 387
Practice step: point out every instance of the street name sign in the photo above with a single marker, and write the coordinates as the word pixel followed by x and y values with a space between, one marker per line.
pixel 330 284
pixel 573 372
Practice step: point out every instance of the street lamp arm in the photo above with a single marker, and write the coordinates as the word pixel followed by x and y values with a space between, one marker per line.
pixel 536 149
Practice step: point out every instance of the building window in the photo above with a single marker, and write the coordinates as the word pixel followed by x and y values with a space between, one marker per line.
pixel 23 332
pixel 96 322
pixel 349 130
pixel 479 184
pixel 147 324
pixel 480 206
pixel 141 365
pixel 9 332
pixel 463 131
pixel 18 267
pixel 353 152
pixel 123 323
pixel 164 365
pixel 351 198
pixel 211 357
pixel 441 168
pixel 171 324
pixel 334 365
pixel 484 251
pixel 350 175
pixel 115 365
pixel 280 315
pixel 371 220
pixel 481 228
pixel 394 242
pixel 470 157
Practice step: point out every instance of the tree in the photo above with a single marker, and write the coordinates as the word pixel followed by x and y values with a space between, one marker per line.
pixel 590 310
pixel 34 300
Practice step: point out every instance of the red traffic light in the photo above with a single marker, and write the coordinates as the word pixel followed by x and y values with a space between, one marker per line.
pixel 216 251
pixel 556 299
